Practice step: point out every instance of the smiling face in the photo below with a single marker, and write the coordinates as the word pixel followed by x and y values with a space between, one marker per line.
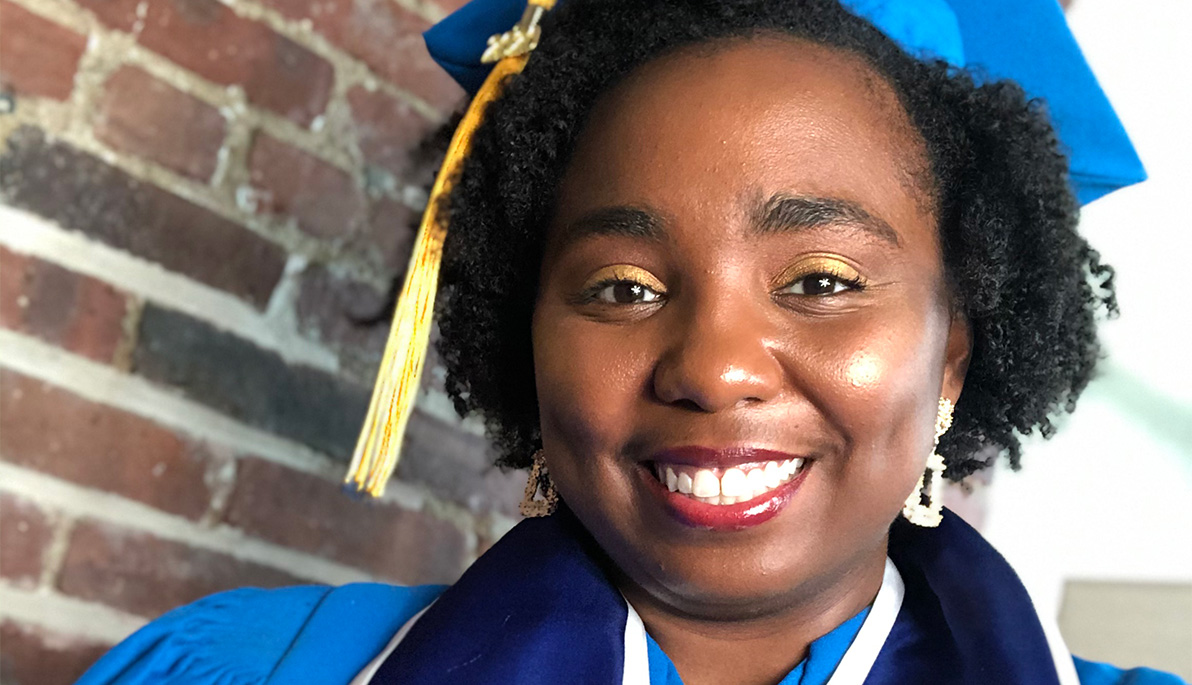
pixel 744 268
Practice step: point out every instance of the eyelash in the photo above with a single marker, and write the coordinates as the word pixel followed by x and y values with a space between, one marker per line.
pixel 818 266
pixel 591 295
pixel 850 283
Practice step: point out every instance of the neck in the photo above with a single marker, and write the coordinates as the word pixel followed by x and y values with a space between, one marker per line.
pixel 756 647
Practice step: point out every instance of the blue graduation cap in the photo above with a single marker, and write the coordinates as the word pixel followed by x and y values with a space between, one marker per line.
pixel 1027 41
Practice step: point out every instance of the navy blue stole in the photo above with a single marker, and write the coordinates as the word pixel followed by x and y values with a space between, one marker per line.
pixel 538 608
pixel 966 617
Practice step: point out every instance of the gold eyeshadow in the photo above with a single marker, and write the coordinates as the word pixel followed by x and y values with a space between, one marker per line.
pixel 813 264
pixel 625 272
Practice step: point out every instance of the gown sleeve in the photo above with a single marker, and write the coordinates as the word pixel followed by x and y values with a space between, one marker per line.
pixel 257 637
pixel 1093 673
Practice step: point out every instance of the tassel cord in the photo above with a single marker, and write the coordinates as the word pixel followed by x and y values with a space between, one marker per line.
pixel 379 447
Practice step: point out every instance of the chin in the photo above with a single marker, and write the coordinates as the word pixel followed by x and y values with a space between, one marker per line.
pixel 723 576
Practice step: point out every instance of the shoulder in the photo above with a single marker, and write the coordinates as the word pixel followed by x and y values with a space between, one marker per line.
pixel 253 636
pixel 1093 673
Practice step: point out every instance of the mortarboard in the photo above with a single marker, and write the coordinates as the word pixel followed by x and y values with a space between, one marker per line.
pixel 1027 41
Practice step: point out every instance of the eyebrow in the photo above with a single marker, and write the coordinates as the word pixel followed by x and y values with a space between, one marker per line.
pixel 629 222
pixel 786 213
pixel 781 213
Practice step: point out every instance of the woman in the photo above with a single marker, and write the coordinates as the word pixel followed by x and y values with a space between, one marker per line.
pixel 718 272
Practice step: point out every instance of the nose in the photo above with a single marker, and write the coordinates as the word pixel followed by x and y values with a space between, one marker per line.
pixel 718 359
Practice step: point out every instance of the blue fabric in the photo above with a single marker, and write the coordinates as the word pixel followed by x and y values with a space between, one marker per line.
pixel 557 618
pixel 1091 673
pixel 927 29
pixel 662 670
pixel 966 617
pixel 327 635
pixel 458 41
pixel 309 634
pixel 537 608
pixel 823 655
pixel 1027 41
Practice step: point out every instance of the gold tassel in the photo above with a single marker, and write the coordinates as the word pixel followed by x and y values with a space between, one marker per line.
pixel 398 380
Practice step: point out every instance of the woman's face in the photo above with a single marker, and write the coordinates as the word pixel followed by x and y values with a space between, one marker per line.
pixel 744 269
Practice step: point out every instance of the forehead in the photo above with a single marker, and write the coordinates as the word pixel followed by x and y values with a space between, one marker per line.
pixel 712 129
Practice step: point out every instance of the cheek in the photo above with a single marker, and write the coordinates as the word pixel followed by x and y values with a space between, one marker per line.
pixel 887 371
pixel 885 386
pixel 864 370
pixel 589 378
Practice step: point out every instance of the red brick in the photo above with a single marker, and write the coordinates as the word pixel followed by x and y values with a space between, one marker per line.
pixel 37 56
pixel 146 117
pixel 322 197
pixel 333 310
pixel 46 428
pixel 387 129
pixel 383 35
pixel 82 193
pixel 391 230
pixel 457 466
pixel 450 5
pixel 25 532
pixel 118 14
pixel 30 655
pixel 305 512
pixel 12 283
pixel 210 39
pixel 74 312
pixel 248 383
pixel 147 575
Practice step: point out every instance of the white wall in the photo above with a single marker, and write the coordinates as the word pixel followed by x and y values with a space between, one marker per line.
pixel 1111 496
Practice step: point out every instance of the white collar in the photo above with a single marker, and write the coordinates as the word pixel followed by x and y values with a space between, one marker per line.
pixel 854 667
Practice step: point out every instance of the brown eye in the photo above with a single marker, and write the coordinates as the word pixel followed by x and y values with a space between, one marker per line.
pixel 818 284
pixel 627 292
pixel 819 275
pixel 624 284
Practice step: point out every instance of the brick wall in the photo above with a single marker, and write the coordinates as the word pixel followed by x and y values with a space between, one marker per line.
pixel 199 200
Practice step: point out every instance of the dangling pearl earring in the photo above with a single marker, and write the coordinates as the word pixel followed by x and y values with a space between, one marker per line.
pixel 923 507
pixel 539 480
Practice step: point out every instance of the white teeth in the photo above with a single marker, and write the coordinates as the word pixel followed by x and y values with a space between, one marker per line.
pixel 705 484
pixel 757 482
pixel 684 483
pixel 773 475
pixel 734 483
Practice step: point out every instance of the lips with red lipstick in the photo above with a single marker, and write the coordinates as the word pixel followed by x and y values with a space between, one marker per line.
pixel 727 489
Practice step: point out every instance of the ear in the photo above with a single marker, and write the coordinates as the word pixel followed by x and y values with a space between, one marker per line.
pixel 957 355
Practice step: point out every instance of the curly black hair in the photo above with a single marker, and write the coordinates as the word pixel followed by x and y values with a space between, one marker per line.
pixel 1030 286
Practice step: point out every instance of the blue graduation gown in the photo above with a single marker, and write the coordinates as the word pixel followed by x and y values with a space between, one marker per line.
pixel 571 625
